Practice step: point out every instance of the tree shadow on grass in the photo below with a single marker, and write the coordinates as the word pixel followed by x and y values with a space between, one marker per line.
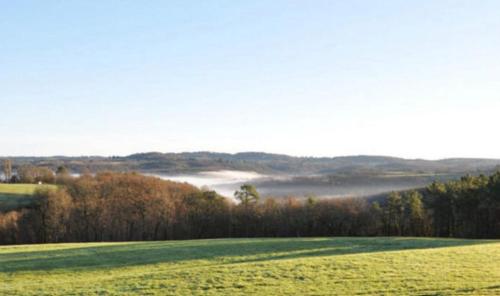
pixel 225 251
pixel 10 202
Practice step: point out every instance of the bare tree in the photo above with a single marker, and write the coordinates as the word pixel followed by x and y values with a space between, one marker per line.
pixel 7 169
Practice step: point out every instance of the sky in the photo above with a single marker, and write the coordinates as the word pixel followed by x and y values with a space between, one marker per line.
pixel 413 79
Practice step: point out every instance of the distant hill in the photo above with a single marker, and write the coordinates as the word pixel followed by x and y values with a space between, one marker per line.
pixel 188 162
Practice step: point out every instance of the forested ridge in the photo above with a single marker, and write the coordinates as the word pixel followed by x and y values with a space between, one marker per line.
pixel 128 206
pixel 174 163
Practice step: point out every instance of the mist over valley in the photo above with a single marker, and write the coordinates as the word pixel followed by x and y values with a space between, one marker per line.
pixel 278 175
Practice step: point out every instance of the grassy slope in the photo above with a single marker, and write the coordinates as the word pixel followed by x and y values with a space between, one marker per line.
pixel 318 266
pixel 14 196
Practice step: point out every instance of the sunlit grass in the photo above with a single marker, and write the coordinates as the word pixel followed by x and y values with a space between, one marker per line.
pixel 14 196
pixel 320 266
pixel 22 189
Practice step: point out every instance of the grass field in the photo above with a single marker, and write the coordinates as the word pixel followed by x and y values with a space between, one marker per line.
pixel 14 196
pixel 320 266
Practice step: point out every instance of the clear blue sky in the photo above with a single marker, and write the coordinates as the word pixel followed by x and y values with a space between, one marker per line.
pixel 417 79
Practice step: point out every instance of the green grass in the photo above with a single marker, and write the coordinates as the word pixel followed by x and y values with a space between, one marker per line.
pixel 15 196
pixel 316 266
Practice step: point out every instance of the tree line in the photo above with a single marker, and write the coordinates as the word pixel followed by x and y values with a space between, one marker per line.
pixel 30 174
pixel 129 206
